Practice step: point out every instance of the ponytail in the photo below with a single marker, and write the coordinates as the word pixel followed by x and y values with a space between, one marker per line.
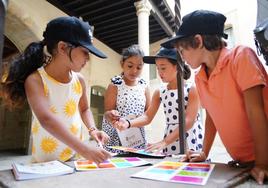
pixel 13 87
pixel 186 72
pixel 186 69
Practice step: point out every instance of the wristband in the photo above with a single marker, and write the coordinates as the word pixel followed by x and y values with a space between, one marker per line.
pixel 91 129
pixel 129 125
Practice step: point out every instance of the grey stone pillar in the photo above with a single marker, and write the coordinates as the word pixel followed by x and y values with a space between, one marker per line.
pixel 143 8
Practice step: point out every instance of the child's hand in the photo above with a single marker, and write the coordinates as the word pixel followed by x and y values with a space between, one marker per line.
pixel 156 147
pixel 97 155
pixel 121 124
pixel 194 156
pixel 112 116
pixel 100 136
pixel 259 173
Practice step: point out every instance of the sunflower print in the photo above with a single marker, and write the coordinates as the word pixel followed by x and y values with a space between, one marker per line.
pixel 49 145
pixel 35 127
pixel 46 90
pixel 74 129
pixel 77 88
pixel 48 77
pixel 33 149
pixel 70 108
pixel 53 109
pixel 65 154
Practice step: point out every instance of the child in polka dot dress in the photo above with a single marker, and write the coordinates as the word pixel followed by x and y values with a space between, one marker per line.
pixel 127 96
pixel 56 91
pixel 194 135
pixel 166 62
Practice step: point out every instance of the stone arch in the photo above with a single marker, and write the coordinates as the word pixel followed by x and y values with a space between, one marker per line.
pixel 20 27
pixel 15 125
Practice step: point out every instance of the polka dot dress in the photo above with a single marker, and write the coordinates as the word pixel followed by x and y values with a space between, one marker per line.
pixel 194 136
pixel 130 103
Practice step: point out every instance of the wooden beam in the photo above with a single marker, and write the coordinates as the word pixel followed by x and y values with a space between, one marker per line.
pixel 72 3
pixel 124 37
pixel 100 8
pixel 87 5
pixel 117 18
pixel 160 19
pixel 118 24
pixel 118 34
pixel 62 7
pixel 108 14
pixel 127 41
pixel 116 29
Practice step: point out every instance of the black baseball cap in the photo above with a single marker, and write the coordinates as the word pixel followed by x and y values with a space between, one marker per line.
pixel 72 30
pixel 162 53
pixel 199 22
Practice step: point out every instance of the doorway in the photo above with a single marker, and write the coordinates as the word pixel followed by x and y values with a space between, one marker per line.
pixel 15 125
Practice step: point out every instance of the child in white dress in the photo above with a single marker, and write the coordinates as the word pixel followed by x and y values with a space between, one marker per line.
pixel 128 96
pixel 166 62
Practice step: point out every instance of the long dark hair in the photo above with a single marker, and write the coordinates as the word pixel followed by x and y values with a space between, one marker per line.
pixel 186 69
pixel 13 91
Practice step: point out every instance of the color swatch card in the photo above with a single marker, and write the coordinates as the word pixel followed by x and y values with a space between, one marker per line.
pixel 178 172
pixel 113 163
pixel 138 151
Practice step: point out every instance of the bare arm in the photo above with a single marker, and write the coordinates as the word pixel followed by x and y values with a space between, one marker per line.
pixel 255 110
pixel 145 118
pixel 210 133
pixel 40 106
pixel 87 116
pixel 110 98
pixel 85 112
pixel 190 115
pixel 149 114
pixel 148 98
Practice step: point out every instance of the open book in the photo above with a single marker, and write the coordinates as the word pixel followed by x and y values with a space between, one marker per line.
pixel 40 170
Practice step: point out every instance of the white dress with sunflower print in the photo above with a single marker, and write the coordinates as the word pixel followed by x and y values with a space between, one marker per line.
pixel 63 100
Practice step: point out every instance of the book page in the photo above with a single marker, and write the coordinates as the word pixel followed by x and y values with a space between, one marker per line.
pixel 52 167
pixel 131 137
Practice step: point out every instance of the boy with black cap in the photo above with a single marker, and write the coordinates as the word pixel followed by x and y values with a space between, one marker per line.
pixel 233 88
pixel 56 91
pixel 166 63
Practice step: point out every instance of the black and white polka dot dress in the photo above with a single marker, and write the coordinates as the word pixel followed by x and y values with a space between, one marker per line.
pixel 130 103
pixel 194 136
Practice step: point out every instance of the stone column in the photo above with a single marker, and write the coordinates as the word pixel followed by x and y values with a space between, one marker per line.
pixel 143 8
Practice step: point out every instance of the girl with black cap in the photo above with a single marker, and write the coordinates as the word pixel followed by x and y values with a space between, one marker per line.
pixel 166 63
pixel 56 92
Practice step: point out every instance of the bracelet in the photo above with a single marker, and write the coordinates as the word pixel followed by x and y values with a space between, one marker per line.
pixel 91 129
pixel 129 125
